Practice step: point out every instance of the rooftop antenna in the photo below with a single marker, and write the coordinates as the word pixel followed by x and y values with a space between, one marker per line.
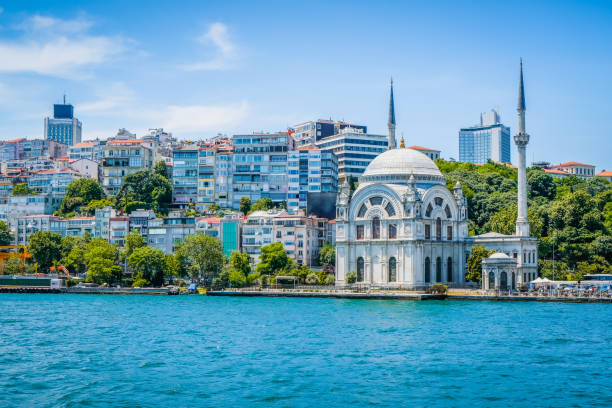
pixel 64 97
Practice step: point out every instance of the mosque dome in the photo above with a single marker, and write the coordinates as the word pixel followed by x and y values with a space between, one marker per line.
pixel 396 166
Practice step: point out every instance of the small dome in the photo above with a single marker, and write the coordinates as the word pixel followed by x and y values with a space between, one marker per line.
pixel 397 165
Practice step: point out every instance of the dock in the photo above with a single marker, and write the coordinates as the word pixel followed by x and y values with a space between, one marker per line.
pixel 336 294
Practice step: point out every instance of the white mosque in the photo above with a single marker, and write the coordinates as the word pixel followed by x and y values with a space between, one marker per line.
pixel 403 228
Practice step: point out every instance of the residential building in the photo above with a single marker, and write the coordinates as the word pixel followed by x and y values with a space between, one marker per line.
pixel 20 206
pixel 139 222
pixel 258 231
pixel 78 226
pixel 27 225
pixel 311 173
pixel 160 136
pixel 63 127
pixel 354 149
pixel 118 228
pixel 605 174
pixel 83 150
pixel 185 176
pixel 53 181
pixel 224 175
pixel 43 149
pixel 11 150
pixel 312 131
pixel 122 158
pixel 557 173
pixel 167 233
pixel 581 170
pixel 227 229
pixel 86 167
pixel 260 166
pixel 102 222
pixel 206 177
pixel 490 140
pixel 431 153
pixel 301 236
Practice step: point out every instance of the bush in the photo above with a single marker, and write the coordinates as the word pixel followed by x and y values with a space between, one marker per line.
pixel 351 277
pixel 438 288
pixel 312 279
pixel 330 280
pixel 140 283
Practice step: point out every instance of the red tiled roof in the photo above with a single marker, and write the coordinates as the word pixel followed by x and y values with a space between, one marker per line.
pixel 51 171
pixel 84 144
pixel 604 174
pixel 421 148
pixel 572 164
pixel 309 147
pixel 129 141
pixel 554 171
pixel 15 140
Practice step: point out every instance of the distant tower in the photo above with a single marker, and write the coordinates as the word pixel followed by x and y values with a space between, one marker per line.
pixel 391 123
pixel 521 139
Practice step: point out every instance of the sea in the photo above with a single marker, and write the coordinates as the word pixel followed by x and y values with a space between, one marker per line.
pixel 59 350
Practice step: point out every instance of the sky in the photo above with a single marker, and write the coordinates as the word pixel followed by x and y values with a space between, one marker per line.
pixel 198 68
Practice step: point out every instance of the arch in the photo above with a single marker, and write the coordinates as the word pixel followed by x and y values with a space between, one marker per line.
pixel 392 269
pixel 438 269
pixel 360 269
pixel 362 211
pixel 392 231
pixel 513 287
pixel 503 281
pixel 449 269
pixel 447 211
pixel 427 270
pixel 491 280
pixel 438 229
pixel 438 201
pixel 375 228
pixel 428 210
pixel 377 200
pixel 390 210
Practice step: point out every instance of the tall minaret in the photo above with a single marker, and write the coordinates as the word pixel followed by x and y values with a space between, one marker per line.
pixel 521 139
pixel 391 123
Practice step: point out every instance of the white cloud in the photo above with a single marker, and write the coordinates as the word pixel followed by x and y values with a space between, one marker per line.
pixel 199 118
pixel 226 54
pixel 47 49
pixel 114 96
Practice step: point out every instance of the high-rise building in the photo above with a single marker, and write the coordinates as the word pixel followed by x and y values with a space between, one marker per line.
pixel 488 141
pixel 260 166
pixel 63 127
pixel 310 132
pixel 354 149
pixel 185 175
pixel 122 158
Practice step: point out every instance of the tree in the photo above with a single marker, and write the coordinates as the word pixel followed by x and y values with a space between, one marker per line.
pixel 101 260
pixel 80 192
pixel 5 234
pixel 541 184
pixel 245 205
pixel 73 254
pixel 22 189
pixel 148 264
pixel 214 207
pixel 173 266
pixel 241 262
pixel 264 204
pixel 133 241
pixel 161 169
pixel 97 204
pixel 351 277
pixel 273 259
pixel 202 255
pixel 327 255
pixel 147 189
pixel 474 272
pixel 46 249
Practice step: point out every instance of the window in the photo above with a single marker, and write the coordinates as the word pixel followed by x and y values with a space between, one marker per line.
pixel 362 211
pixel 503 281
pixel 438 269
pixel 449 232
pixel 491 280
pixel 375 228
pixel 438 201
pixel 449 269
pixel 390 210
pixel 438 229
pixel 376 200
pixel 428 211
pixel 427 270
pixel 360 269
pixel 392 270
pixel 392 231
pixel 427 231
pixel 360 232
pixel 448 212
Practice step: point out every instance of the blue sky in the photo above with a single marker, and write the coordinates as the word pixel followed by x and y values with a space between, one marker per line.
pixel 198 68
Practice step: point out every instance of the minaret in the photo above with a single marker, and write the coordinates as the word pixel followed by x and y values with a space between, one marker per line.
pixel 391 123
pixel 521 139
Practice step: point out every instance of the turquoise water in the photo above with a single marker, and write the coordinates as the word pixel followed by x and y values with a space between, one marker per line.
pixel 185 351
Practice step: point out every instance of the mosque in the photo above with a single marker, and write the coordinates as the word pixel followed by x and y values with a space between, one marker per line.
pixel 402 227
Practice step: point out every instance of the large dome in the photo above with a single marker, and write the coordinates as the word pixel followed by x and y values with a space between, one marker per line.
pixel 397 165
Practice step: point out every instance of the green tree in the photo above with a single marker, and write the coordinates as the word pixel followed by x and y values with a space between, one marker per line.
pixel 202 255
pixel 5 234
pixel 474 263
pixel 264 204
pixel 541 184
pixel 214 207
pixel 327 254
pixel 22 189
pixel 148 264
pixel 273 259
pixel 351 277
pixel 146 188
pixel 80 192
pixel 241 262
pixel 245 205
pixel 96 205
pixel 161 169
pixel 133 241
pixel 101 259
pixel 46 249
pixel 73 253
pixel 173 266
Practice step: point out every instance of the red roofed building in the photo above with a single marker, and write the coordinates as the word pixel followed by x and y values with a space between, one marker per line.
pixel 584 171
pixel 605 174
pixel 431 153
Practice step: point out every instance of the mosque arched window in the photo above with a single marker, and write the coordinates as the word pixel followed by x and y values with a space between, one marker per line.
pixel 438 269
pixel 491 280
pixel 438 201
pixel 392 269
pixel 449 269
pixel 375 228
pixel 376 200
pixel 448 212
pixel 390 210
pixel 513 281
pixel 503 281
pixel 362 211
pixel 428 210
pixel 360 269
pixel 427 270
pixel 438 229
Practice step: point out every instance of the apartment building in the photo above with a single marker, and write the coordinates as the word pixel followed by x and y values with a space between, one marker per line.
pixel 122 158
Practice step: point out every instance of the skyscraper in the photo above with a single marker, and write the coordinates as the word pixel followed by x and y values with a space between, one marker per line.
pixel 63 127
pixel 488 141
